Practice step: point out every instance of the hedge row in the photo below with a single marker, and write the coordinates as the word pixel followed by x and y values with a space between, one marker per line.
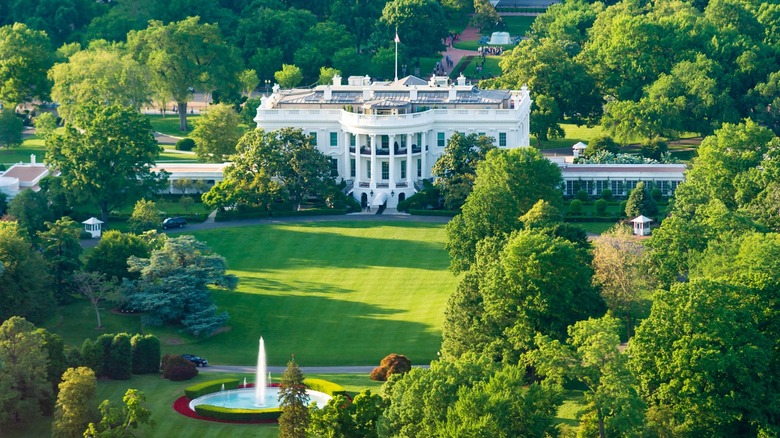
pixel 233 414
pixel 201 389
pixel 330 388
pixel 449 213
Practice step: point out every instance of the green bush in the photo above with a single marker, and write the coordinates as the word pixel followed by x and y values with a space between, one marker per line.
pixel 330 388
pixel 177 368
pixel 622 208
pixel 606 194
pixel 185 144
pixel 601 206
pixel 656 193
pixel 119 365
pixel 85 235
pixel 201 389
pixel 575 206
pixel 582 195
pixel 231 414
pixel 92 356
pixel 146 354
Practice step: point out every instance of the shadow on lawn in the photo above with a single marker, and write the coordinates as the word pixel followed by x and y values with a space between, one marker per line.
pixel 319 331
pixel 280 247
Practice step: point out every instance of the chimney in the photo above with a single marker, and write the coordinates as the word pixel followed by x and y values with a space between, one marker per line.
pixel 32 159
pixel 336 80
pixel 366 93
pixel 413 93
pixel 461 80
pixel 328 93
pixel 453 94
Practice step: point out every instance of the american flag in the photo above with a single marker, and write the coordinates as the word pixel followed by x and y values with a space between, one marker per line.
pixel 397 40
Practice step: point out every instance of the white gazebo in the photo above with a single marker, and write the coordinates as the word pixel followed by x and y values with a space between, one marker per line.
pixel 578 149
pixel 93 226
pixel 641 225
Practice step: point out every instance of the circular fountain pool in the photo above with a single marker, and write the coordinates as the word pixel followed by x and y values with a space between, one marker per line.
pixel 245 399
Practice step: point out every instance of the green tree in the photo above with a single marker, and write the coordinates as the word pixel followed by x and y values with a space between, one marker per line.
pixel 322 41
pixel 56 362
pixel 421 26
pixel 567 23
pixel 27 285
pixel 289 76
pixel 100 75
pixel 591 356
pixel 183 56
pixel 146 354
pixel 120 147
pixel 706 360
pixel 174 285
pixel 601 143
pixel 145 216
pixel 485 17
pixel 25 57
pixel 619 271
pixel 118 422
pixel 61 249
pixel 31 211
pixel 249 81
pixel 217 133
pixel 342 417
pixel 110 255
pixel 508 184
pixel 119 364
pixel 359 17
pixel 541 215
pixel 45 125
pixel 23 374
pixel 545 118
pixel 74 403
pixel 640 202
pixel 11 127
pixel 456 169
pixel 327 74
pixel 293 400
pixel 97 288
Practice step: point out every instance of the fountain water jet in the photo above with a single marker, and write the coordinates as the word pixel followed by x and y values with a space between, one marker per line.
pixel 260 382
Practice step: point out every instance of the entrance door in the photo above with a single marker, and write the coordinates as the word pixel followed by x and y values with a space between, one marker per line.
pixel 401 197
pixel 363 200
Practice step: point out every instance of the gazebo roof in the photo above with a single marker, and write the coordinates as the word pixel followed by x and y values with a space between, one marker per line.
pixel 92 221
pixel 641 219
pixel 579 145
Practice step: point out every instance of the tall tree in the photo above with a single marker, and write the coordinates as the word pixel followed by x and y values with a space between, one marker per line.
pixel 421 26
pixel 216 133
pixel 110 255
pixel 293 400
pixel 25 278
pixel 11 128
pixel 508 184
pixel 359 16
pixel 25 57
pixel 23 384
pixel 185 56
pixel 289 76
pixel 74 403
pixel 119 422
pixel 344 417
pixel 61 249
pixel 31 210
pixel 456 169
pixel 96 288
pixel 101 75
pixel 640 202
pixel 174 285
pixel 145 216
pixel 118 146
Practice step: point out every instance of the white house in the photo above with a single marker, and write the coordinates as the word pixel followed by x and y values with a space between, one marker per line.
pixel 384 137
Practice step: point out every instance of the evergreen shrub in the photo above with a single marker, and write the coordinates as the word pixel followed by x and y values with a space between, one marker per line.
pixel 606 194
pixel 582 195
pixel 601 206
pixel 119 365
pixel 146 354
pixel 241 415
pixel 185 144
pixel 177 368
pixel 575 206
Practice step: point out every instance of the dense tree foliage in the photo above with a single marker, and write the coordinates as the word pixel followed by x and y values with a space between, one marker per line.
pixel 74 403
pixel 174 285
pixel 61 249
pixel 25 57
pixel 217 133
pixel 119 422
pixel 421 26
pixel 456 169
pixel 293 400
pixel 106 153
pixel 110 255
pixel 26 284
pixel 342 417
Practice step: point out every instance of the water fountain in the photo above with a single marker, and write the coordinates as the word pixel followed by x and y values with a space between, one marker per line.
pixel 260 382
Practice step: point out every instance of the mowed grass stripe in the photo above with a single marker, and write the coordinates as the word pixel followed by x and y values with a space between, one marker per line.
pixel 344 293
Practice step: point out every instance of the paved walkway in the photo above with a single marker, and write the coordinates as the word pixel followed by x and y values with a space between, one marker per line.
pixel 468 34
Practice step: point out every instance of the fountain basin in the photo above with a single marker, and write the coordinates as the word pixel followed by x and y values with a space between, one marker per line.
pixel 244 398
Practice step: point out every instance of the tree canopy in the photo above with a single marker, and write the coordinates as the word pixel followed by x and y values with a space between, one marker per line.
pixel 25 57
pixel 456 169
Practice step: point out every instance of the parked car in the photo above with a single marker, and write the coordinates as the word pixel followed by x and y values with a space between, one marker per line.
pixel 174 222
pixel 197 360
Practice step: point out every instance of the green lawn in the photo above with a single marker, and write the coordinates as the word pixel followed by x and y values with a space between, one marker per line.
pixel 518 25
pixel 170 123
pixel 491 67
pixel 336 293
pixel 573 134
pixel 31 145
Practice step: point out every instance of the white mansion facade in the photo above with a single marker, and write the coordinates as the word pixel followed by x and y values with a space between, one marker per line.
pixel 384 137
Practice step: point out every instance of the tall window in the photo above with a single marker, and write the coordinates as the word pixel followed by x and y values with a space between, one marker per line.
pixel 313 138
pixel 403 169
pixel 502 139
pixel 334 138
pixel 385 170
pixel 352 139
pixel 334 167
pixel 440 139
pixel 368 169
pixel 419 139
pixel 352 171
pixel 385 141
pixel 419 168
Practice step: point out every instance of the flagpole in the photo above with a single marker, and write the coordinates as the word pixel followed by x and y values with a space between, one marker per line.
pixel 396 53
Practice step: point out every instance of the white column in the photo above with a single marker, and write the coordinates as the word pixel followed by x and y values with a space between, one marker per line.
pixel 347 162
pixel 424 155
pixel 408 160
pixel 358 176
pixel 373 161
pixel 392 162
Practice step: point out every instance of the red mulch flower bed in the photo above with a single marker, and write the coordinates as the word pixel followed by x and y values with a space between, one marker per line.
pixel 182 406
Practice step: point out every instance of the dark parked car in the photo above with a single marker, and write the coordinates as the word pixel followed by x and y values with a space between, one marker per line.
pixel 197 360
pixel 174 222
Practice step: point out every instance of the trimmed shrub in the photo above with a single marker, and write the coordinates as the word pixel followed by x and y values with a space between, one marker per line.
pixel 105 341
pixel 575 206
pixel 119 365
pixel 622 208
pixel 606 194
pixel 582 195
pixel 92 356
pixel 185 144
pixel 601 206
pixel 177 368
pixel 201 389
pixel 330 388
pixel 230 414
pixel 656 193
pixel 146 354
pixel 391 364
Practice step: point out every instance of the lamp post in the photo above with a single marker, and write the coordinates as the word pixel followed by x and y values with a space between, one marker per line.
pixel 267 85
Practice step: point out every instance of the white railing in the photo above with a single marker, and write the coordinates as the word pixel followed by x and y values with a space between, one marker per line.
pixel 388 121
